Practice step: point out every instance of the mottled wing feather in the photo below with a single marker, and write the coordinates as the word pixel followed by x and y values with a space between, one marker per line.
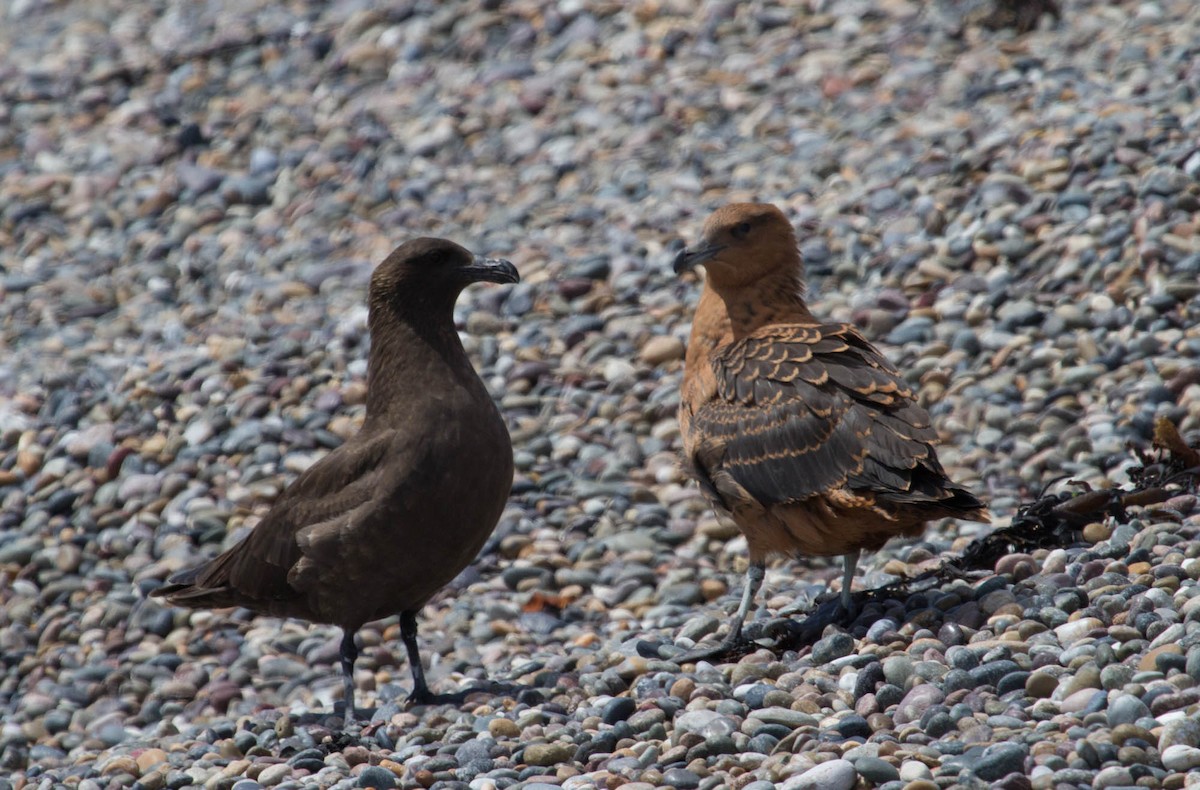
pixel 802 410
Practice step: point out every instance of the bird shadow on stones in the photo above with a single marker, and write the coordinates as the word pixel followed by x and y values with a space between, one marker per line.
pixel 1056 520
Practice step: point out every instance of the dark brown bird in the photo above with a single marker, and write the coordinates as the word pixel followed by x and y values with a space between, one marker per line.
pixel 380 524
pixel 800 431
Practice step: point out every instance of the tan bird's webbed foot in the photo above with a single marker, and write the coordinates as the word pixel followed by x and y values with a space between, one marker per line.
pixel 738 641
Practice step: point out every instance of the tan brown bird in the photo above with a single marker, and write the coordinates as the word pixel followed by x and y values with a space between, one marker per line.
pixel 383 522
pixel 798 430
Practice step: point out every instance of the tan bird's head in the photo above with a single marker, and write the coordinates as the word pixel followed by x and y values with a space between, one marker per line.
pixel 433 271
pixel 743 243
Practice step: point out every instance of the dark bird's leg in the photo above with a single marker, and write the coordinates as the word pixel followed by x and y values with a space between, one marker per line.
pixel 421 695
pixel 754 580
pixel 408 632
pixel 850 562
pixel 349 656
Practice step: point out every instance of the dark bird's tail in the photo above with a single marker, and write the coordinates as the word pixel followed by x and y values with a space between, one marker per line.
pixel 195 588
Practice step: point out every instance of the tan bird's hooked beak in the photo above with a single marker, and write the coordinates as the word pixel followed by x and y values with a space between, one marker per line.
pixel 690 259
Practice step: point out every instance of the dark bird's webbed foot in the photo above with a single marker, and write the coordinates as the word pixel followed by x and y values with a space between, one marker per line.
pixel 421 695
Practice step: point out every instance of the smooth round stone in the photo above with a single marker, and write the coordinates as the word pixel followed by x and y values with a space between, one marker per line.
pixel 755 695
pixel 1000 760
pixel 916 702
pixel 377 776
pixel 879 628
pixel 1192 663
pixel 745 672
pixel 474 750
pixel 503 728
pixel 762 743
pixel 1185 732
pixel 661 348
pixel 936 723
pixel 1080 700
pixel 991 672
pixel 1012 682
pixel 1040 685
pixel 853 726
pixel 888 695
pixel 867 679
pixel 832 647
pixel 1113 776
pixel 705 723
pixel 1124 732
pixel 274 774
pixel 897 670
pixel 876 770
pixel 831 775
pixel 1115 676
pixel 547 754
pixel 788 718
pixel 681 778
pixel 1070 633
pixel 1126 709
pixel 618 709
pixel 1181 757
pixel 963 658
pixel 914 770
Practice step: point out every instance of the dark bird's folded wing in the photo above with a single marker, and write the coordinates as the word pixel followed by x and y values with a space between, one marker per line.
pixel 803 410
pixel 332 508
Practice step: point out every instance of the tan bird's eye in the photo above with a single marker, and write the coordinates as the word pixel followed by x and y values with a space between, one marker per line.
pixel 741 230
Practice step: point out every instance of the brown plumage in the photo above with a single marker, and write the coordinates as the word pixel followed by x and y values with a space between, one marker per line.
pixel 798 430
pixel 383 522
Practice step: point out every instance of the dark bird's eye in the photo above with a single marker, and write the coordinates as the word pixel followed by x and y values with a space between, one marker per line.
pixel 741 230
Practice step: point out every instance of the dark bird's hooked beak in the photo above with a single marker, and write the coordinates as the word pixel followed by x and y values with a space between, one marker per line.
pixel 492 270
pixel 690 259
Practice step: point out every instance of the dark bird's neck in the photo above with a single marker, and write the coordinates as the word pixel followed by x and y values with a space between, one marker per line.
pixel 413 348
pixel 777 298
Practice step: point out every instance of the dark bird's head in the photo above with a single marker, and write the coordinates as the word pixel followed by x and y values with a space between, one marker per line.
pixel 432 272
pixel 742 244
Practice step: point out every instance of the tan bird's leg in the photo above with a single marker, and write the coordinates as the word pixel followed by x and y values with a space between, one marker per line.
pixel 754 580
pixel 850 562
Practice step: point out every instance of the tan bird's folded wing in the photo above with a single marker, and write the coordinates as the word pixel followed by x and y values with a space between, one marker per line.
pixel 802 410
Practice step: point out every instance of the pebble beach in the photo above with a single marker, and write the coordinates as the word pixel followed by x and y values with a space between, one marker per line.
pixel 193 197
